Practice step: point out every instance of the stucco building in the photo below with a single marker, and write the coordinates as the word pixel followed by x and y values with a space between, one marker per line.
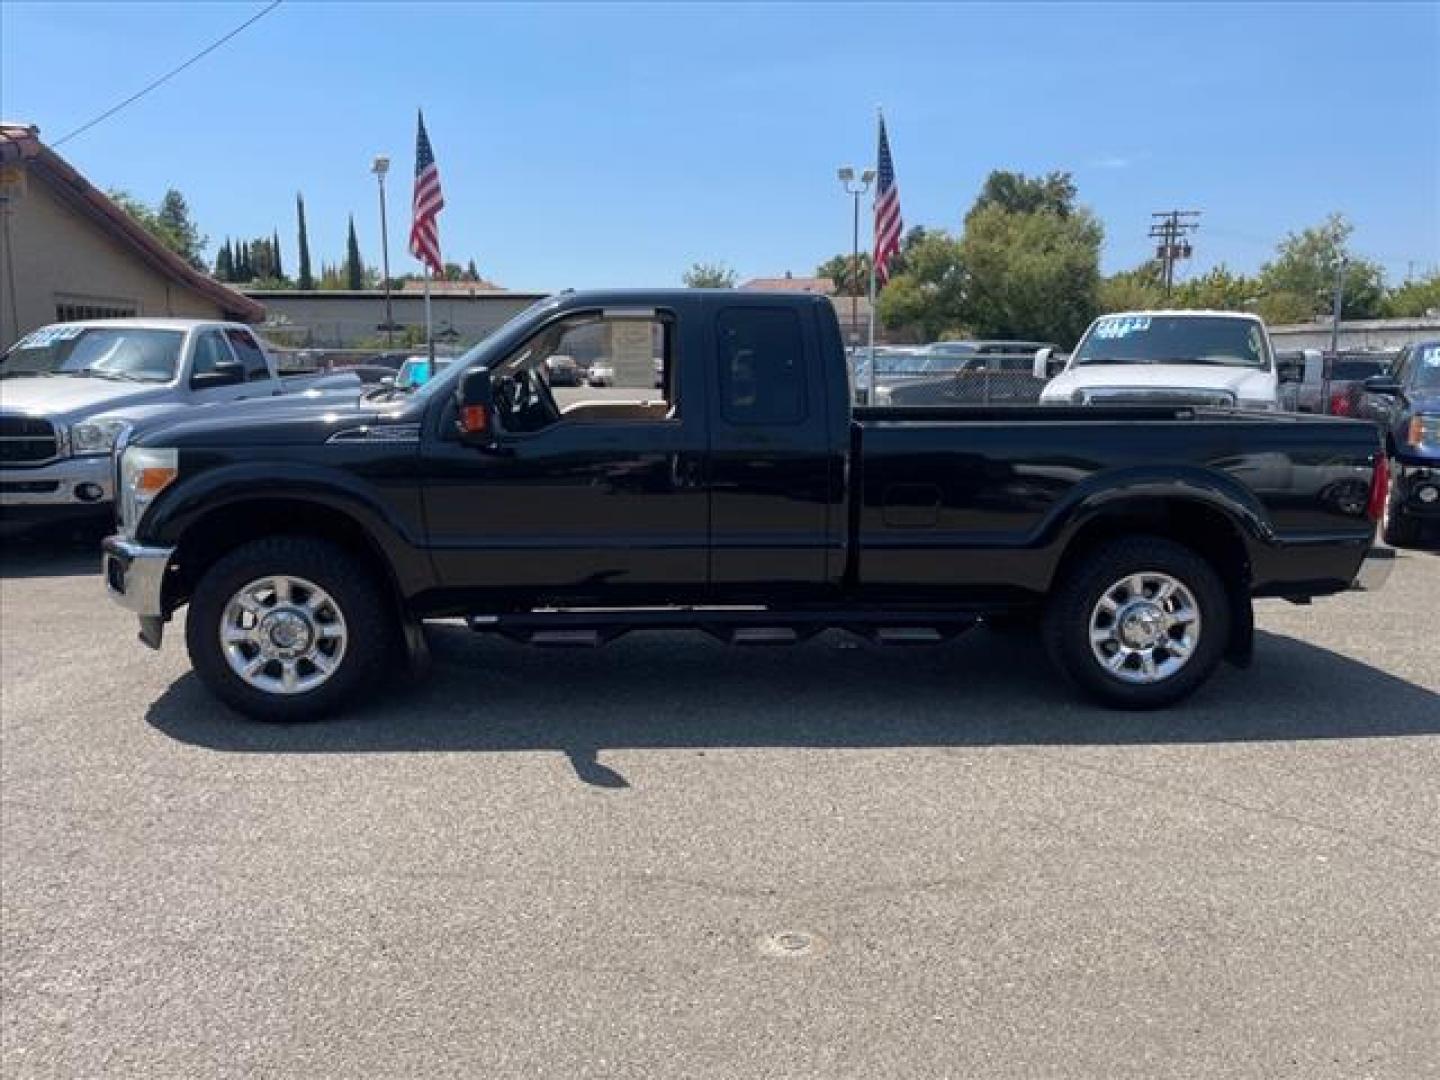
pixel 68 252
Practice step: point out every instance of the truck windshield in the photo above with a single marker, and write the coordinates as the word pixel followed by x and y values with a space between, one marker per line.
pixel 1427 368
pixel 1174 339
pixel 123 353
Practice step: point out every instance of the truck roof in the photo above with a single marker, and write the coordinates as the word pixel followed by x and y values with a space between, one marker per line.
pixel 143 322
pixel 1182 312
pixel 600 297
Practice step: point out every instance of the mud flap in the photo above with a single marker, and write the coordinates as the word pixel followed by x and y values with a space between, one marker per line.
pixel 1241 649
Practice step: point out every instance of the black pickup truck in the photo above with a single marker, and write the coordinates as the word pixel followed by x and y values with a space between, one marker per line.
pixel 745 497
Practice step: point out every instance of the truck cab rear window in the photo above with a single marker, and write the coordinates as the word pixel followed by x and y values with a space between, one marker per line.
pixel 762 365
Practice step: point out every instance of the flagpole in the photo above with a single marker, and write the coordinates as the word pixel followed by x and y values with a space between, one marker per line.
pixel 429 335
pixel 870 348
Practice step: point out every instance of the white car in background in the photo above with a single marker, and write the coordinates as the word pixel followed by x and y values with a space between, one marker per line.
pixel 1218 358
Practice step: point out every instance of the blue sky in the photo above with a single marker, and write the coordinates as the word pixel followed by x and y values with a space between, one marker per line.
pixel 617 144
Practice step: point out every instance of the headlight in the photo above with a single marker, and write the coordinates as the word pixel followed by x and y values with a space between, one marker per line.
pixel 882 395
pixel 1258 404
pixel 145 471
pixel 96 436
pixel 1424 430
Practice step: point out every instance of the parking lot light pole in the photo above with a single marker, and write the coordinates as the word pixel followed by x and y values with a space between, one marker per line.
pixel 855 189
pixel 380 167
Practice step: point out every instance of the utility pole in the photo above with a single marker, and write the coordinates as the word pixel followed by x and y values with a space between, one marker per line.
pixel 1169 228
pixel 1338 303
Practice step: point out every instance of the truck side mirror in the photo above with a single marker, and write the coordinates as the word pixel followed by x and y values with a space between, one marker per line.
pixel 1041 367
pixel 1048 363
pixel 1384 384
pixel 1290 367
pixel 475 409
pixel 225 373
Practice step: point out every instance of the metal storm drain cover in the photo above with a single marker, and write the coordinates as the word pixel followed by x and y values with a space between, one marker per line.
pixel 790 943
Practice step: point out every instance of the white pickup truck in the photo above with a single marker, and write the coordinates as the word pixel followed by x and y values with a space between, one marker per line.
pixel 1221 358
pixel 69 391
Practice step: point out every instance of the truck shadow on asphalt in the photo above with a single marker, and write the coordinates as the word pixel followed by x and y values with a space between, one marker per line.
pixel 683 691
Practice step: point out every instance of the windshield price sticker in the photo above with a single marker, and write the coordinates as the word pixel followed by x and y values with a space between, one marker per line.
pixel 1119 327
pixel 1431 356
pixel 48 336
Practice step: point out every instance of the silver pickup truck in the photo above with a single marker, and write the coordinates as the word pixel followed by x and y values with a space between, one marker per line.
pixel 69 391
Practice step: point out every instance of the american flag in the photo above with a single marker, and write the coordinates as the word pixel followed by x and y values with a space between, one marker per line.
pixel 887 210
pixel 429 201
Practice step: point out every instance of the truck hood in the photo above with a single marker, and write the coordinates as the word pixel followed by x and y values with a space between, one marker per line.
pixel 68 398
pixel 309 417
pixel 1242 382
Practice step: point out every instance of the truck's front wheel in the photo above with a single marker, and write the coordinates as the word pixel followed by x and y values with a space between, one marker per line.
pixel 1140 623
pixel 287 628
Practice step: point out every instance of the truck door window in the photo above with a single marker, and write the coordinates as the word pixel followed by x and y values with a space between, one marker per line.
pixel 591 368
pixel 249 354
pixel 761 355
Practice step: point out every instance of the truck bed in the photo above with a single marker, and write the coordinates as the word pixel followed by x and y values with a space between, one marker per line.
pixel 969 496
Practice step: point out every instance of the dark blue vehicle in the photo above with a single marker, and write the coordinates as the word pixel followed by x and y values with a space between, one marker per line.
pixel 1406 404
pixel 745 498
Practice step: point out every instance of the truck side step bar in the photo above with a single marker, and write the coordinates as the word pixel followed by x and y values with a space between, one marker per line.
pixel 589 627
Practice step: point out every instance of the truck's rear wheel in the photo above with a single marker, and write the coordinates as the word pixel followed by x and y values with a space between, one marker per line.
pixel 1140 623
pixel 288 628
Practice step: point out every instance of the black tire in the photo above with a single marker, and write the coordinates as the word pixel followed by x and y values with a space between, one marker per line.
pixel 1067 620
pixel 1397 528
pixel 371 633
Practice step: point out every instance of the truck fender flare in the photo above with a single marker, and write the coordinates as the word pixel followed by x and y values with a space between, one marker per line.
pixel 176 513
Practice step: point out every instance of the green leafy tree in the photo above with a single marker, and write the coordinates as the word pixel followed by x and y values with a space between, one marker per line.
pixel 225 263
pixel 176 224
pixel 709 276
pixel 1218 289
pixel 850 275
pixel 170 223
pixel 1133 290
pixel 1415 298
pixel 1017 193
pixel 304 279
pixel 1300 280
pixel 1031 274
pixel 354 268
pixel 244 268
pixel 927 300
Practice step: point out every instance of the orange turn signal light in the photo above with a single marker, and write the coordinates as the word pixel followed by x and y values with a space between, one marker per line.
pixel 153 480
pixel 474 419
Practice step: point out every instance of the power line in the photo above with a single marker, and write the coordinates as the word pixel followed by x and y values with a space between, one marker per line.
pixel 169 75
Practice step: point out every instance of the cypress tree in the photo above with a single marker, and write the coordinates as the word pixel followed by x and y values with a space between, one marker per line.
pixel 224 269
pixel 354 271
pixel 471 273
pixel 306 280
pixel 275 254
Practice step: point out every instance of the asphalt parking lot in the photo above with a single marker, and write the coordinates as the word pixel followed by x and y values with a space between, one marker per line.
pixel 670 859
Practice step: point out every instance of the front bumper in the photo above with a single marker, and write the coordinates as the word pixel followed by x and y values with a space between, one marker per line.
pixel 135 579
pixel 1374 569
pixel 75 483
pixel 1417 489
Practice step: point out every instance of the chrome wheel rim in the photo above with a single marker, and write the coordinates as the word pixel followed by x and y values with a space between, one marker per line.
pixel 283 635
pixel 1145 627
